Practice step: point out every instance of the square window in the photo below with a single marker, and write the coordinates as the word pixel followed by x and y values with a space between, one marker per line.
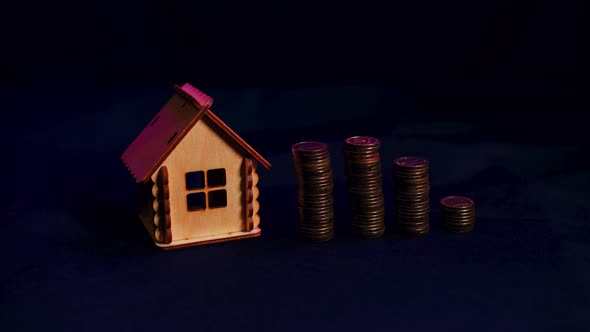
pixel 195 180
pixel 217 198
pixel 216 177
pixel 195 202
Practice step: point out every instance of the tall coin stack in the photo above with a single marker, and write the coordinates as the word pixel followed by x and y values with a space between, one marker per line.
pixel 458 213
pixel 412 191
pixel 365 185
pixel 315 187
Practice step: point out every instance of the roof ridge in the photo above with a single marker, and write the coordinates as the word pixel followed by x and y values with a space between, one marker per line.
pixel 201 99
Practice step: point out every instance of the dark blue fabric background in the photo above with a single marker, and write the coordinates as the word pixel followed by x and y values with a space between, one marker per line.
pixel 493 93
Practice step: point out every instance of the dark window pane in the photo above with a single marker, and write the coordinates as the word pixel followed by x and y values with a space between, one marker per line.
pixel 217 198
pixel 195 180
pixel 195 202
pixel 216 177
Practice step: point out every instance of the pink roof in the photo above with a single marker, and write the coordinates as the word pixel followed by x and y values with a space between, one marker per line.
pixel 147 152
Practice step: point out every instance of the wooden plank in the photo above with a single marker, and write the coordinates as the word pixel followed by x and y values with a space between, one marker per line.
pixel 248 195
pixel 255 194
pixel 200 242
pixel 146 209
pixel 163 197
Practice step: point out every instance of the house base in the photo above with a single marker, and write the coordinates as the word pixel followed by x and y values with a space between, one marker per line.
pixel 209 239
pixel 147 216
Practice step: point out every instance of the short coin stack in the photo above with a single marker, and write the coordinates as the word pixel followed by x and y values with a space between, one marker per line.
pixel 458 213
pixel 365 185
pixel 315 190
pixel 412 194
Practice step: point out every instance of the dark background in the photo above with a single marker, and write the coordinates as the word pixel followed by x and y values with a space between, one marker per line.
pixel 494 93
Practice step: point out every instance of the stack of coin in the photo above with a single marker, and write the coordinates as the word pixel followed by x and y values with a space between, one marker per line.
pixel 412 189
pixel 315 187
pixel 458 213
pixel 365 189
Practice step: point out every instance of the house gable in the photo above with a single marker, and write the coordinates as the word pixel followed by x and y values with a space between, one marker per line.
pixel 204 148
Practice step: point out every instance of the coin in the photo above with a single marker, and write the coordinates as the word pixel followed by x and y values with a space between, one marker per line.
pixel 455 202
pixel 413 162
pixel 412 194
pixel 463 229
pixel 457 213
pixel 315 187
pixel 365 182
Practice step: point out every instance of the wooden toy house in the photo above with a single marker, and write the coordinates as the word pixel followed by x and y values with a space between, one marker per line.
pixel 197 178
